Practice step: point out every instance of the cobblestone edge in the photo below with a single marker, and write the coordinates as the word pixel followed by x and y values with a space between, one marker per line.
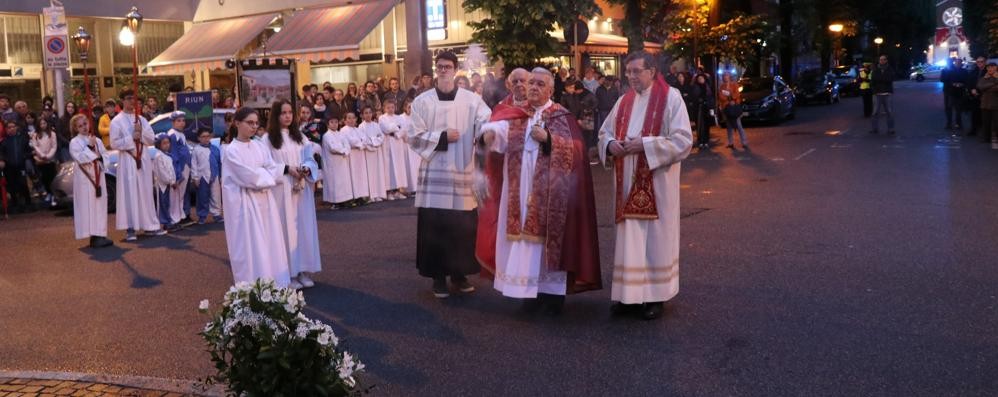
pixel 186 387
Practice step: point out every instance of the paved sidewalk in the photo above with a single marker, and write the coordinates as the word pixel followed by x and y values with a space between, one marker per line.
pixel 45 384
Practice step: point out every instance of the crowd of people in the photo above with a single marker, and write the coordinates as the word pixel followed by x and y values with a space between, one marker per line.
pixel 972 91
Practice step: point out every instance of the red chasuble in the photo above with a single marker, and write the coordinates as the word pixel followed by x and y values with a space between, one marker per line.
pixel 561 211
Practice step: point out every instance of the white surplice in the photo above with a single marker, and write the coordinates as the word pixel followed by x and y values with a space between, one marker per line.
pixel 252 215
pixel 164 177
pixel 134 205
pixel 445 177
pixel 358 164
pixel 646 253
pixel 395 149
pixel 301 230
pixel 520 272
pixel 413 160
pixel 89 211
pixel 374 156
pixel 336 184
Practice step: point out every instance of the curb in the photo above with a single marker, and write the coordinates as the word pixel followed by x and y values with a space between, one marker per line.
pixel 181 386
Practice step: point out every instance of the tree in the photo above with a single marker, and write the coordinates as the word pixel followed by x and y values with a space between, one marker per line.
pixel 643 20
pixel 738 40
pixel 981 22
pixel 516 31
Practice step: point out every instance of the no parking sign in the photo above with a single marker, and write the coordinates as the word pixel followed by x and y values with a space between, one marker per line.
pixel 55 39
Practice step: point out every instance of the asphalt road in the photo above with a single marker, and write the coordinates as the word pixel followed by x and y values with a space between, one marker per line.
pixel 826 261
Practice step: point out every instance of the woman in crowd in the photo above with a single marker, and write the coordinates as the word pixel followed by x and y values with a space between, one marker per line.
pixel 462 82
pixel 44 143
pixel 729 99
pixel 351 97
pixel 64 133
pixel 702 100
pixel 319 109
pixel 295 196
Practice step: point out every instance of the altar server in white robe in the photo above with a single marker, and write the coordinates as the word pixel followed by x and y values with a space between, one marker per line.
pixel 358 164
pixel 180 154
pixel 645 137
pixel 413 159
pixel 395 149
pixel 296 196
pixel 135 208
pixel 89 185
pixel 446 123
pixel 337 189
pixel 374 156
pixel 249 174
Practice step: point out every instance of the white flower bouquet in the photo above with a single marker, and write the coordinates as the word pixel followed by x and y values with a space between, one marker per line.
pixel 263 345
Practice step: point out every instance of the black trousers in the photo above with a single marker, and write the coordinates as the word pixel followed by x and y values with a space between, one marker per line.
pixel 17 186
pixel 867 102
pixel 954 106
pixel 445 243
pixel 47 175
pixel 989 125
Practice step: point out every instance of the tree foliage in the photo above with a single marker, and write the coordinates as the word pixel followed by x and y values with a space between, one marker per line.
pixel 516 31
pixel 740 39
pixel 643 19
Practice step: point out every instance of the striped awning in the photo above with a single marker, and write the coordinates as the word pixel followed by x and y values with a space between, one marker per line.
pixel 207 45
pixel 610 44
pixel 328 34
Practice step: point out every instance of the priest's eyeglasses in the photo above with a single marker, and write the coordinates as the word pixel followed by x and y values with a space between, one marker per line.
pixel 634 72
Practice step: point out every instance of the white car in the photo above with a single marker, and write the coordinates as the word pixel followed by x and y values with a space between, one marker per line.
pixel 926 73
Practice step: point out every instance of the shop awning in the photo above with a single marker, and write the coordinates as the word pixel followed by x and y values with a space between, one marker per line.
pixel 602 43
pixel 328 34
pixel 207 45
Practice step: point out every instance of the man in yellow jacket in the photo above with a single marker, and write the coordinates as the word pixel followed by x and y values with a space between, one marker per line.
pixel 865 90
pixel 104 124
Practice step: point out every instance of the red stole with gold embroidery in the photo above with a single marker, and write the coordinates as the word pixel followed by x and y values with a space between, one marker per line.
pixel 640 203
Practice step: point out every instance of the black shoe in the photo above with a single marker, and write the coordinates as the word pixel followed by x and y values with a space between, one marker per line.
pixel 186 222
pixel 619 309
pixel 652 310
pixel 462 285
pixel 530 305
pixel 552 303
pixel 99 242
pixel 440 288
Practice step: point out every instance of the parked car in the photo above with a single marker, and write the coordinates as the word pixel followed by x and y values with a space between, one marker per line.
pixel 767 99
pixel 815 86
pixel 847 78
pixel 927 72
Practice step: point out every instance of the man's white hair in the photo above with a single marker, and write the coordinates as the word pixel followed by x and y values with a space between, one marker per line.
pixel 516 72
pixel 547 74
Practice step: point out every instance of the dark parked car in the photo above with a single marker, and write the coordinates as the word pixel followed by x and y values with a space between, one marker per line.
pixel 815 86
pixel 847 77
pixel 767 99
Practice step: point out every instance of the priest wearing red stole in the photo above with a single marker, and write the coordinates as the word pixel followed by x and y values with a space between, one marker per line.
pixel 645 137
pixel 546 244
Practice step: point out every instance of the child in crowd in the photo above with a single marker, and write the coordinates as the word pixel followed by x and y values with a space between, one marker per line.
pixel 166 180
pixel 205 172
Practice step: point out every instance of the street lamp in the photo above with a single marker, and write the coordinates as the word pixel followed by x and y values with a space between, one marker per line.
pixel 837 29
pixel 129 37
pixel 878 41
pixel 83 40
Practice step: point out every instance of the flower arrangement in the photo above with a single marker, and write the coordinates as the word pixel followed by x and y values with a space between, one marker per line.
pixel 263 345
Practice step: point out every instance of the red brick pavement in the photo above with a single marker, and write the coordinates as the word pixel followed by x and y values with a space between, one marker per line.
pixel 18 387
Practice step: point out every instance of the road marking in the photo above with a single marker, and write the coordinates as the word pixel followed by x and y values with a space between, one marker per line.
pixel 805 154
pixel 947 146
pixel 777 159
pixel 838 146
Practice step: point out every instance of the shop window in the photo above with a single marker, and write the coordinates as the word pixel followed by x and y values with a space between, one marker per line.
pixel 23 35
pixel 606 65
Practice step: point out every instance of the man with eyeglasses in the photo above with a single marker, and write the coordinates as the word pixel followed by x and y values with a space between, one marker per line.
pixel 645 137
pixel 546 244
pixel 134 205
pixel 446 122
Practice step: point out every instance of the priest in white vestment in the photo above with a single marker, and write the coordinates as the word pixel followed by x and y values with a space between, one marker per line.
pixel 89 185
pixel 545 199
pixel 296 196
pixel 446 122
pixel 645 137
pixel 337 189
pixel 252 214
pixel 135 207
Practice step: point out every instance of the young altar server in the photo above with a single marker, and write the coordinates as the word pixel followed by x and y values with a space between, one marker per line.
pixel 413 159
pixel 166 181
pixel 337 189
pixel 395 150
pixel 206 167
pixel 358 164
pixel 248 175
pixel 135 207
pixel 296 196
pixel 89 186
pixel 181 155
pixel 374 155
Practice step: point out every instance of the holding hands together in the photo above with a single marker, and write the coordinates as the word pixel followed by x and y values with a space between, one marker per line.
pixel 538 133
pixel 453 135
pixel 631 146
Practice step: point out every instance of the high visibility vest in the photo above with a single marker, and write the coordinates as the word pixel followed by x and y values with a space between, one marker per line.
pixel 865 76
